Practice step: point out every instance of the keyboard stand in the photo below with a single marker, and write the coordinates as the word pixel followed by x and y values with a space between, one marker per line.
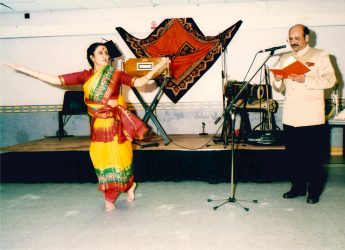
pixel 149 110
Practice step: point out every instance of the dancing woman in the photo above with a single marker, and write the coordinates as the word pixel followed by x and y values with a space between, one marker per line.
pixel 113 127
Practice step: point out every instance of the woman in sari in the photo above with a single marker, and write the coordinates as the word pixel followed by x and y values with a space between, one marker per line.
pixel 113 127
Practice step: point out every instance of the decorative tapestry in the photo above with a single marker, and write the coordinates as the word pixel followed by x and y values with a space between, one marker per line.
pixel 191 52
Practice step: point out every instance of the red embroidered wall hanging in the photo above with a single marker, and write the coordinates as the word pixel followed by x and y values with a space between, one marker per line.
pixel 191 52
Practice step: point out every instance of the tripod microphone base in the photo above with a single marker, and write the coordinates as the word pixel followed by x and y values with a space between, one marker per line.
pixel 230 200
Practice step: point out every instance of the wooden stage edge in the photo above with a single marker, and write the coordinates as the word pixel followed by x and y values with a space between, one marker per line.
pixel 178 142
pixel 186 157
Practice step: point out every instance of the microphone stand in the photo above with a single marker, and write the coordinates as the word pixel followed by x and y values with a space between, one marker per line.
pixel 232 109
pixel 224 136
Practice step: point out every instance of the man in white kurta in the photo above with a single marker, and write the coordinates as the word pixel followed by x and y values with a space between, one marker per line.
pixel 304 114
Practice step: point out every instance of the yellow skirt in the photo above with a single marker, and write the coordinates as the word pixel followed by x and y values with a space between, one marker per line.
pixel 112 161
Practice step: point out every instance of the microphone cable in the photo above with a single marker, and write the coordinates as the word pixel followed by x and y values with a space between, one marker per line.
pixel 201 147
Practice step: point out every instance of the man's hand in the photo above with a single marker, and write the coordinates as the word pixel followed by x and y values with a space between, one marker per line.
pixel 278 77
pixel 297 78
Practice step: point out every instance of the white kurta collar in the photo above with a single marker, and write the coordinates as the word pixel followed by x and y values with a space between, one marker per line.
pixel 302 52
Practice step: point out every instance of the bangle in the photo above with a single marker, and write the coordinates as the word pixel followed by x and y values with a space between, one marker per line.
pixel 38 74
pixel 132 81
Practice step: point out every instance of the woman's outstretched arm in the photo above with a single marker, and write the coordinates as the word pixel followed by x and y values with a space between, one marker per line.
pixel 157 71
pixel 49 78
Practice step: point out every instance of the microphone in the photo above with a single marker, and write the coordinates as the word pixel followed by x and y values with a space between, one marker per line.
pixel 272 49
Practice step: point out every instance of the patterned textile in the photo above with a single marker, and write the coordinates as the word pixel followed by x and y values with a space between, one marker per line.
pixel 97 91
pixel 191 53
pixel 112 130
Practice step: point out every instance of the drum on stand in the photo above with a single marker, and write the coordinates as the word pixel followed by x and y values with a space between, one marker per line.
pixel 233 88
pixel 259 92
pixel 252 97
pixel 252 92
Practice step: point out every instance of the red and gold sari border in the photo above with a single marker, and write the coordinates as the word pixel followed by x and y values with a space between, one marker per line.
pixel 115 173
pixel 117 187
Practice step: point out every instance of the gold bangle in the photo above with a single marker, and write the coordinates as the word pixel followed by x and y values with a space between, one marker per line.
pixel 132 81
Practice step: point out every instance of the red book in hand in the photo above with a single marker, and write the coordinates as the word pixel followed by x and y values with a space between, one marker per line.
pixel 295 67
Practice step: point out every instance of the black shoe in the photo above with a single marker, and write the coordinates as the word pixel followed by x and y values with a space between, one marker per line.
pixel 312 199
pixel 293 194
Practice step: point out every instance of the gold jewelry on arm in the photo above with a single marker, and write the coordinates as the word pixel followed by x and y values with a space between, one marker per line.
pixel 132 81
pixel 62 81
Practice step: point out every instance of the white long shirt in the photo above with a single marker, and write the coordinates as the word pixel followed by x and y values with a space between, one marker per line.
pixel 304 103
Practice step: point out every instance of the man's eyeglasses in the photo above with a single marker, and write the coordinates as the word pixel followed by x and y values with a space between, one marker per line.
pixel 297 39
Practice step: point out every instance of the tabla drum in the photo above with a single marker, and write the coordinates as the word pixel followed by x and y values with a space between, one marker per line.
pixel 251 92
pixel 260 91
pixel 233 88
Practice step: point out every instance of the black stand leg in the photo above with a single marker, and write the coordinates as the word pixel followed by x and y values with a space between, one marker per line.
pixel 232 198
pixel 148 111
pixel 62 122
pixel 232 108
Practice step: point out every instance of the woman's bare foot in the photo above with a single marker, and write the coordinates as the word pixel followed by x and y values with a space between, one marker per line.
pixel 130 192
pixel 109 206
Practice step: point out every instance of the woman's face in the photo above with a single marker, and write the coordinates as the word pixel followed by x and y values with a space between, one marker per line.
pixel 100 57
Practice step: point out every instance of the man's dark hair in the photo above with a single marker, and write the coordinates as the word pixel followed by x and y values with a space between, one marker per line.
pixel 306 31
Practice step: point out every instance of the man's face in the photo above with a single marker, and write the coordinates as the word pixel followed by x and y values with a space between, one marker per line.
pixel 296 38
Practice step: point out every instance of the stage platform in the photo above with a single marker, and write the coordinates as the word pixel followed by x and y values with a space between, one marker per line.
pixel 186 157
pixel 178 142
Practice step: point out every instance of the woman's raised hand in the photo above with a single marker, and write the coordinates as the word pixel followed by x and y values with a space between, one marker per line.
pixel 162 66
pixel 49 78
pixel 21 68
pixel 16 66
pixel 159 68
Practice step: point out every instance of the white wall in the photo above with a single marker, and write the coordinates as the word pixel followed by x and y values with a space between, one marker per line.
pixel 56 42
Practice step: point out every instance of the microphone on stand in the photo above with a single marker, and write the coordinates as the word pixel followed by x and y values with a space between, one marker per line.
pixel 272 49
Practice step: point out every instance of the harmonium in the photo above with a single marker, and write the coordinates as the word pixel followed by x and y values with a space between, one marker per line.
pixel 141 66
